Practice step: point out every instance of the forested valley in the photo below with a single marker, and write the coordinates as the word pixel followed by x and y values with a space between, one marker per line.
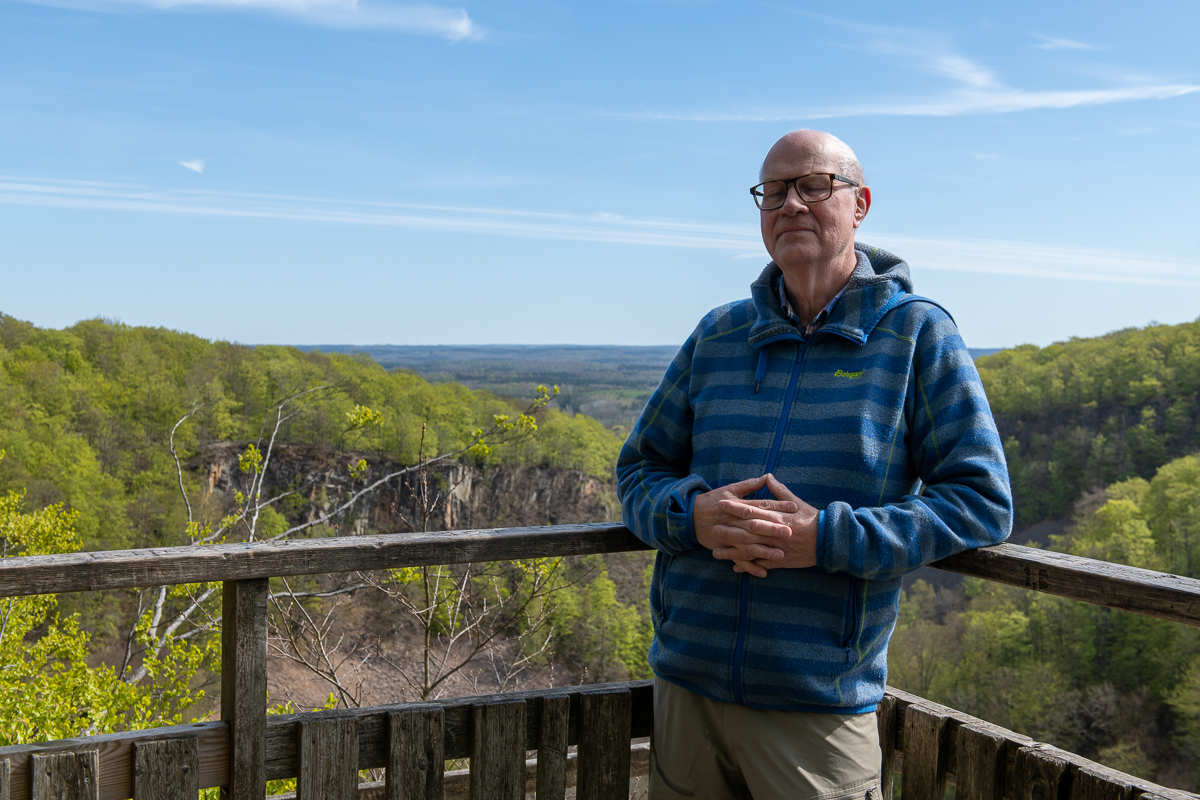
pixel 117 437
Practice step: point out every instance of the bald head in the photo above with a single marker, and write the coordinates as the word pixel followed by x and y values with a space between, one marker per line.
pixel 828 147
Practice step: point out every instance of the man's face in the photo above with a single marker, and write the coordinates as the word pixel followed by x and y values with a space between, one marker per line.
pixel 814 236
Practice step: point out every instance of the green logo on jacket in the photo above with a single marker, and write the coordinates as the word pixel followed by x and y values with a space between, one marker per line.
pixel 843 374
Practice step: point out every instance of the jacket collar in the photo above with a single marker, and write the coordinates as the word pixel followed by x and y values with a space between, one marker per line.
pixel 877 277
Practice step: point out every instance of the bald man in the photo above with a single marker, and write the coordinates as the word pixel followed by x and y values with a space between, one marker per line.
pixel 806 448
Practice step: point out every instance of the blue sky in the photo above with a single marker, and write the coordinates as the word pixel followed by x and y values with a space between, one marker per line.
pixel 331 171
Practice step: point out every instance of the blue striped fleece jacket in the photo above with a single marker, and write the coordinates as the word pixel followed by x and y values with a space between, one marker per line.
pixel 878 419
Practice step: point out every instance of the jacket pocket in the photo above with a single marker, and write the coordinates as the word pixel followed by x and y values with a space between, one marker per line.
pixel 854 614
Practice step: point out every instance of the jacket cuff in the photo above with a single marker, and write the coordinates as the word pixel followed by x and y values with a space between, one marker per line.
pixel 821 536
pixel 680 526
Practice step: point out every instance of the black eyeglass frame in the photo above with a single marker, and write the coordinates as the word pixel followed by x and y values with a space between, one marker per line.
pixel 790 183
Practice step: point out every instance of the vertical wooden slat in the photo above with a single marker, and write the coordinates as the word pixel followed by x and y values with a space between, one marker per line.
pixel 5 773
pixel 1091 784
pixel 498 751
pixel 416 760
pixel 885 717
pixel 328 760
pixel 924 776
pixel 1040 775
pixel 552 748
pixel 244 686
pixel 982 760
pixel 167 769
pixel 66 776
pixel 603 766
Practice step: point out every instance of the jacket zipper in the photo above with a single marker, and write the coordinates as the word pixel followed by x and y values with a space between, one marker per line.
pixel 743 579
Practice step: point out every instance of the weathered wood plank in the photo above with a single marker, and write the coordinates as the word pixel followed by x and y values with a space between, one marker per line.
pixel 552 748
pixel 283 742
pixel 123 569
pixel 328 759
pixel 604 722
pixel 244 685
pixel 457 783
pixel 1093 784
pixel 1041 773
pixel 5 770
pixel 66 776
pixel 1155 594
pixel 116 756
pixel 982 764
pixel 416 760
pixel 167 769
pixel 924 776
pixel 885 718
pixel 498 751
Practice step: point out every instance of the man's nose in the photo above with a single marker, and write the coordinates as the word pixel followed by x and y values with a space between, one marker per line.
pixel 793 203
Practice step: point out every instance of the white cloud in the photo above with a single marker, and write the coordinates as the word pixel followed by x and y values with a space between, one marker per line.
pixel 979 90
pixel 1050 43
pixel 447 23
pixel 741 241
pixel 195 164
pixel 998 101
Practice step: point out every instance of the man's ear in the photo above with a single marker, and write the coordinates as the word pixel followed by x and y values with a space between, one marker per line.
pixel 862 205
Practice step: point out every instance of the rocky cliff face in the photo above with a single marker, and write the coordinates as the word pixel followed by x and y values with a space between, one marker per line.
pixel 466 497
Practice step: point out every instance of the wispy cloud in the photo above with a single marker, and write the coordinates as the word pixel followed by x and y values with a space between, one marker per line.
pixel 430 20
pixel 997 101
pixel 741 241
pixel 1051 43
pixel 976 90
pixel 195 164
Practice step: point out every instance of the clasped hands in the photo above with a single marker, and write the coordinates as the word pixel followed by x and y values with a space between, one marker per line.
pixel 756 535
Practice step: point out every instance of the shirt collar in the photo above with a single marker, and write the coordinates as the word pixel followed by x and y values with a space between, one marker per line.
pixel 821 316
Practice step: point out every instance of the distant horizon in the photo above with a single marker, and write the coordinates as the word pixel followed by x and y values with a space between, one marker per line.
pixel 278 170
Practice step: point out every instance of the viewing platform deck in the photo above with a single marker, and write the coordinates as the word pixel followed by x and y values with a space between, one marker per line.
pixel 928 745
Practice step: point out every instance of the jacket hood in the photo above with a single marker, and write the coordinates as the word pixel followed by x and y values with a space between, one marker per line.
pixel 877 278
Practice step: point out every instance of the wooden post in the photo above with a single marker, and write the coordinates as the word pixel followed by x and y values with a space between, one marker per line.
pixel 924 776
pixel 416 754
pixel 5 773
pixel 552 748
pixel 603 768
pixel 66 776
pixel 168 769
pixel 328 760
pixel 982 761
pixel 244 686
pixel 885 717
pixel 1040 775
pixel 1094 784
pixel 498 751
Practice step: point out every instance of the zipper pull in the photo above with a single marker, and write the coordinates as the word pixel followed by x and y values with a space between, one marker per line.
pixel 761 372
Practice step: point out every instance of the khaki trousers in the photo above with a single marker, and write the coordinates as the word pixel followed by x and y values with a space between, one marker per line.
pixel 720 751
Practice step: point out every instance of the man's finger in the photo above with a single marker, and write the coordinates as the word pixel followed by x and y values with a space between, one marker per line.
pixel 762 527
pixel 737 535
pixel 749 552
pixel 743 488
pixel 745 510
pixel 778 489
pixel 782 506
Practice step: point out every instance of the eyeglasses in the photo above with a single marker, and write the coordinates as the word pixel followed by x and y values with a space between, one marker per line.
pixel 812 188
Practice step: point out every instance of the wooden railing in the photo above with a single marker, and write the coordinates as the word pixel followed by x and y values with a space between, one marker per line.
pixel 325 750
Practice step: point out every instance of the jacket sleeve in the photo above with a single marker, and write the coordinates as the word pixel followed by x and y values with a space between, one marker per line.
pixel 964 501
pixel 654 482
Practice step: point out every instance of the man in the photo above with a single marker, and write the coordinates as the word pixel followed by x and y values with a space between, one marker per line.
pixel 805 449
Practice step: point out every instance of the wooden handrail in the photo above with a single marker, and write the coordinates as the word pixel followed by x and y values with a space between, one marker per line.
pixel 1156 594
pixel 128 569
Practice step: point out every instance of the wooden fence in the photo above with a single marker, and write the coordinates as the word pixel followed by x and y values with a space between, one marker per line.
pixel 325 750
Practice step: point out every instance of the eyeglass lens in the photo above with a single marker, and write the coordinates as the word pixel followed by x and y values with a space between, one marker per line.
pixel 811 188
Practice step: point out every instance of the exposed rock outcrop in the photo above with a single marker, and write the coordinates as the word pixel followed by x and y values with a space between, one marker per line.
pixel 467 497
